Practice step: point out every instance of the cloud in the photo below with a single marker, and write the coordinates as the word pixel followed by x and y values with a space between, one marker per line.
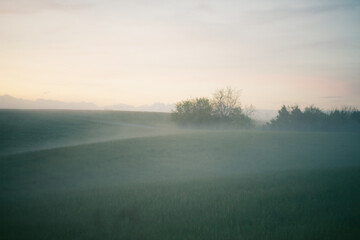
pixel 205 8
pixel 331 97
pixel 355 88
pixel 8 11
pixel 61 6
pixel 317 9
pixel 26 7
pixel 339 43
pixel 295 10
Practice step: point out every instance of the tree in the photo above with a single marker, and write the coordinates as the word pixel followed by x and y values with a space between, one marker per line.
pixel 314 119
pixel 196 110
pixel 227 108
pixel 282 120
pixel 224 108
pixel 226 103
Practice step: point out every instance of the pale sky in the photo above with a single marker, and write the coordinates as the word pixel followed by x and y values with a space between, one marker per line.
pixel 140 52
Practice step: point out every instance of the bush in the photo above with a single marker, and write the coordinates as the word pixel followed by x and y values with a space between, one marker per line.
pixel 198 110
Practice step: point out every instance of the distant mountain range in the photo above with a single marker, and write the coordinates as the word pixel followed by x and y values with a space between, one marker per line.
pixel 9 102
pixel 156 107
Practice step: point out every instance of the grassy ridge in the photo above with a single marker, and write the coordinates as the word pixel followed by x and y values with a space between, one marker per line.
pixel 28 130
pixel 194 185
pixel 177 157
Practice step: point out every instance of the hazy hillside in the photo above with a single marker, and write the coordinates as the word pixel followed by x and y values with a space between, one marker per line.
pixel 29 130
pixel 141 178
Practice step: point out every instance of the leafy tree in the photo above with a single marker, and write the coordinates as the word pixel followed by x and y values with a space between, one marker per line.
pixel 196 110
pixel 226 103
pixel 224 108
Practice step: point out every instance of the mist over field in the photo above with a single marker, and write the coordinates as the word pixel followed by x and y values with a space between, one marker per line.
pixel 133 175
pixel 180 120
pixel 32 130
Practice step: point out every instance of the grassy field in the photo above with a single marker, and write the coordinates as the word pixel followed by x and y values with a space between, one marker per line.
pixel 118 175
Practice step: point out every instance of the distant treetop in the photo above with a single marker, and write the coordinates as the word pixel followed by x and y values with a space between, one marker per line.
pixel 314 119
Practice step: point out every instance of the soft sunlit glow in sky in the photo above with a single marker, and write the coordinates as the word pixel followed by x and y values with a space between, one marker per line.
pixel 140 52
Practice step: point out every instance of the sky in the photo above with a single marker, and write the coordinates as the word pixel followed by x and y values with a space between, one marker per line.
pixel 141 52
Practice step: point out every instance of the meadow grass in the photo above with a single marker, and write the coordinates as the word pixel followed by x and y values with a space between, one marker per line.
pixel 190 184
pixel 317 204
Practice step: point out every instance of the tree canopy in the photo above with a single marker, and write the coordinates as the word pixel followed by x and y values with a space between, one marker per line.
pixel 223 108
pixel 196 110
pixel 314 119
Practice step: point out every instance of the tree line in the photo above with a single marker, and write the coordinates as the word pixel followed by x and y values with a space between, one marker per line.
pixel 225 108
pixel 314 119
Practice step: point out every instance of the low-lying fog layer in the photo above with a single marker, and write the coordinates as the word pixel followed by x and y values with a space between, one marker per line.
pixel 31 130
pixel 148 179
pixel 133 151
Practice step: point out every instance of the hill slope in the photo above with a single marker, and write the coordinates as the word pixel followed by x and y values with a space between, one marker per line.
pixel 202 184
